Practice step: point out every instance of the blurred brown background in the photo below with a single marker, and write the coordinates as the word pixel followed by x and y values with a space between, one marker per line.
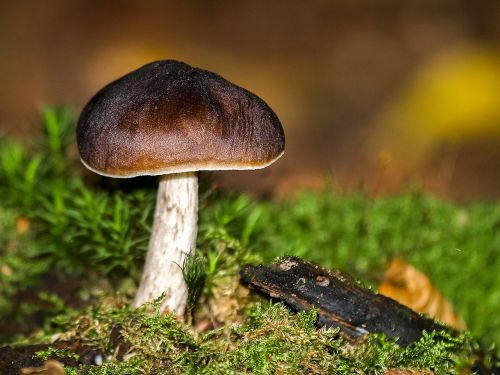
pixel 373 94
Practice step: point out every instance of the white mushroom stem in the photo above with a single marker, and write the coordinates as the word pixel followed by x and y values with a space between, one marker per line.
pixel 172 238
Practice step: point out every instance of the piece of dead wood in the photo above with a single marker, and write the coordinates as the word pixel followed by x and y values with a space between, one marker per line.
pixel 341 302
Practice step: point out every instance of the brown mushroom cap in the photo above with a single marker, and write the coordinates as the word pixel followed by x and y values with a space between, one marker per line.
pixel 168 117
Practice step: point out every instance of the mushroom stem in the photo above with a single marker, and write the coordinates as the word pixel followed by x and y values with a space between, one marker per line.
pixel 173 237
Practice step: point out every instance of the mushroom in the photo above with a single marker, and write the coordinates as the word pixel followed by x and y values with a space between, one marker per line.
pixel 170 119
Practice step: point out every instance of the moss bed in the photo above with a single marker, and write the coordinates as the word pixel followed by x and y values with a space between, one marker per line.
pixel 72 247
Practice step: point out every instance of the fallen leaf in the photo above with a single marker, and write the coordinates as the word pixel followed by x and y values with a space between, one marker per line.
pixel 405 284
pixel 50 367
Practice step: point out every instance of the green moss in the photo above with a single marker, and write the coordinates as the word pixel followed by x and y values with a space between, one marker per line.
pixel 56 353
pixel 271 340
pixel 20 268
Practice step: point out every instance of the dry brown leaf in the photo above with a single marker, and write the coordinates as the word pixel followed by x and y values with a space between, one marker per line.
pixel 405 284
pixel 50 367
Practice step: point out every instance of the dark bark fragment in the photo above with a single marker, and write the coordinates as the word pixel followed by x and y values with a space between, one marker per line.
pixel 341 302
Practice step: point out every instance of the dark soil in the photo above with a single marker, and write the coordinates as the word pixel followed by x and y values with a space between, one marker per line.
pixel 13 359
